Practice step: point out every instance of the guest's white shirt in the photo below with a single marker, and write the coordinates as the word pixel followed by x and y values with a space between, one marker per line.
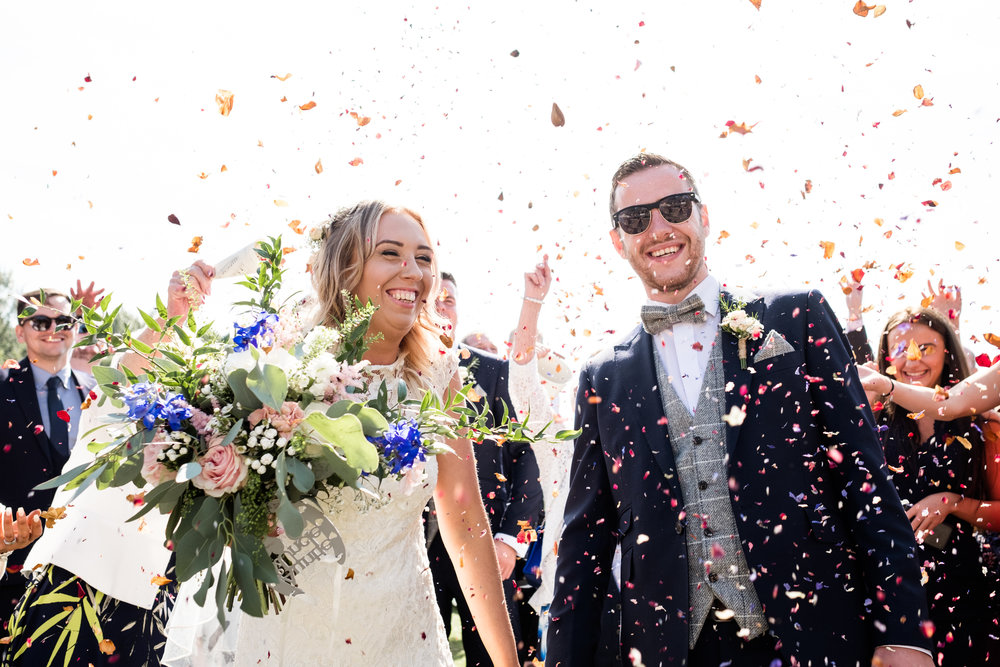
pixel 685 348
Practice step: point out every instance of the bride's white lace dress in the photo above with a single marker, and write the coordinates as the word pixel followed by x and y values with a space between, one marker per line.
pixel 378 608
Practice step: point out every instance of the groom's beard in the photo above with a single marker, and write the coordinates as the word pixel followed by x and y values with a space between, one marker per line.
pixel 676 279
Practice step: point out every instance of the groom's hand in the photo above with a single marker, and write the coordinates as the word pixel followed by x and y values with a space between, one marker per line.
pixel 507 558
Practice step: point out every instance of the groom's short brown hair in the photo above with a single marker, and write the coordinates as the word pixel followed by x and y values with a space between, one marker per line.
pixel 637 163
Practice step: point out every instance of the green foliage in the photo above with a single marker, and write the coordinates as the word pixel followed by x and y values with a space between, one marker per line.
pixel 354 336
pixel 9 347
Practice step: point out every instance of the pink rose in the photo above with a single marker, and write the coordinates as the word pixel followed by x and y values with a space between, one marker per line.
pixel 223 470
pixel 284 422
pixel 153 470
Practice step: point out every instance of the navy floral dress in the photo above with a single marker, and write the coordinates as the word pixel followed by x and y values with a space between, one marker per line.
pixel 960 585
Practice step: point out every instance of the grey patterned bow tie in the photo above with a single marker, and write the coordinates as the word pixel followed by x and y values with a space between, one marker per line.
pixel 656 318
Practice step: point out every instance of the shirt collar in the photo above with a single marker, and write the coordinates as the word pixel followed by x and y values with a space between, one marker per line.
pixel 42 376
pixel 708 290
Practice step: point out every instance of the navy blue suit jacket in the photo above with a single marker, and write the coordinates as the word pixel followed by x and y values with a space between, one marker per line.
pixel 828 544
pixel 516 495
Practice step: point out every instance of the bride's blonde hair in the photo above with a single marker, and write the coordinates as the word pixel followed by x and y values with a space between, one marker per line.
pixel 348 242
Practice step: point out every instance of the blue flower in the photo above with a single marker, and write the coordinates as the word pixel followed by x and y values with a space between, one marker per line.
pixel 259 334
pixel 144 403
pixel 402 445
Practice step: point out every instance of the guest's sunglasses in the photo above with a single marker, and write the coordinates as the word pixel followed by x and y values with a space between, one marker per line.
pixel 674 208
pixel 44 322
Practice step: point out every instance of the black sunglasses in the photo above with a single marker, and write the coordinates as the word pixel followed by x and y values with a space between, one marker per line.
pixel 674 208
pixel 44 322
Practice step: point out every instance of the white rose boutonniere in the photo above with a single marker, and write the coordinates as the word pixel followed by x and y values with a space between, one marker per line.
pixel 738 323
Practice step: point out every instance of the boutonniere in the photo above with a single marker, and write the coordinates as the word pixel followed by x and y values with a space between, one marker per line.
pixel 738 323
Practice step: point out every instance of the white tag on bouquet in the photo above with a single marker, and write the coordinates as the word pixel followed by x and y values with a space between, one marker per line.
pixel 319 541
pixel 239 264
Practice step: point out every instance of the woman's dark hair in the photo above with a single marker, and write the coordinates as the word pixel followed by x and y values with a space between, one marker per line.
pixel 956 368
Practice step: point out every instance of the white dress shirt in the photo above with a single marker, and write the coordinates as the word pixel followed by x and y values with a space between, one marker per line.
pixel 685 348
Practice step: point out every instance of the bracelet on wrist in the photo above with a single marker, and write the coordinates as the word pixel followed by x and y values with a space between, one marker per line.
pixel 892 387
pixel 532 299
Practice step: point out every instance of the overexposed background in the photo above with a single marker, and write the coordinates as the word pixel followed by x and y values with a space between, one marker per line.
pixel 109 124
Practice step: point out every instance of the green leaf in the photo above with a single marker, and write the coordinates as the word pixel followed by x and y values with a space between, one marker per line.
pixel 150 322
pixel 163 492
pixel 108 376
pixel 65 477
pixel 238 383
pixel 233 432
pixel 568 434
pixel 302 477
pixel 243 565
pixel 339 409
pixel 140 347
pixel 81 485
pixel 202 593
pixel 196 552
pixel 207 520
pixel 220 595
pixel 348 434
pixel 269 384
pixel 290 518
pixel 373 422
pixel 42 629
pixel 263 566
pixel 183 335
pixel 160 308
pixel 401 391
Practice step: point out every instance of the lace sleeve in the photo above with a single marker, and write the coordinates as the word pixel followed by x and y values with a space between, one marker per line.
pixel 441 373
pixel 527 396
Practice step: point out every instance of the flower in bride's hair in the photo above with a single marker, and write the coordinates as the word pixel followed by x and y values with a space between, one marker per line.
pixel 223 470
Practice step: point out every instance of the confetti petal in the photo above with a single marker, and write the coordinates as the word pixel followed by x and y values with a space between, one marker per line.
pixel 224 99
pixel 557 116
pixel 307 106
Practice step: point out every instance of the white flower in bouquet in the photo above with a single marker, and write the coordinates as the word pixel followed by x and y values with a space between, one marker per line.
pixel 319 339
pixel 332 378
pixel 276 356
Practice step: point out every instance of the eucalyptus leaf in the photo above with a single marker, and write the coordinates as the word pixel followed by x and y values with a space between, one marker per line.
pixel 347 433
pixel 269 384
pixel 188 471
pixel 238 383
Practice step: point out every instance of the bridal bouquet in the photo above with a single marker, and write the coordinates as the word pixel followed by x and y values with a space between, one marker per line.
pixel 232 435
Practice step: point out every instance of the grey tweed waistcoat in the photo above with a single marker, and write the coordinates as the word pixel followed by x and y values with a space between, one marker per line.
pixel 717 566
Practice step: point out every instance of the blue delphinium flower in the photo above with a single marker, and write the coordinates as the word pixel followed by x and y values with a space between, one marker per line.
pixel 141 399
pixel 402 445
pixel 259 334
pixel 144 402
pixel 175 410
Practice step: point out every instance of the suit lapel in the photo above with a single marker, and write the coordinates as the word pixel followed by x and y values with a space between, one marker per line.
pixel 738 380
pixel 23 385
pixel 637 363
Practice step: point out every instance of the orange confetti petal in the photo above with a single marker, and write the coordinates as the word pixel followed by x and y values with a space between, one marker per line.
pixel 959 245
pixel 828 247
pixel 857 275
pixel 224 168
pixel 106 646
pixel 956 170
pixel 992 339
pixel 29 262
pixel 11 364
pixel 500 477
pixel 350 573
pixel 918 92
pixel 741 128
pixel 318 166
pixel 898 112
pixel 224 99
pixel 756 78
pixel 297 226
pixel 913 352
pixel 755 3
pixel 307 106
pixel 281 78
pixel 356 161
pixel 195 244
pixel 280 202
pixel 160 580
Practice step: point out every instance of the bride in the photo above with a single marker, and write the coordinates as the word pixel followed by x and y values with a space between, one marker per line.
pixel 378 608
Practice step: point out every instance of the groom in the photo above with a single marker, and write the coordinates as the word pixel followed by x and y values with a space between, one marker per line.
pixel 735 461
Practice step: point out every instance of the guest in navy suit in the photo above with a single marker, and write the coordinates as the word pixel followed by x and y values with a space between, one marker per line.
pixel 508 483
pixel 40 402
pixel 727 446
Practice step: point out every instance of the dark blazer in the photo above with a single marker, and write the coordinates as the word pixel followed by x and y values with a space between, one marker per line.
pixel 828 544
pixel 26 456
pixel 516 494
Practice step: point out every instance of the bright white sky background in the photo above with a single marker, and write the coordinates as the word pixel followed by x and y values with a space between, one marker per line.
pixel 90 170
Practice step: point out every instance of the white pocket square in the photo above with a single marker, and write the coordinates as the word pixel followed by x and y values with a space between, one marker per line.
pixel 774 345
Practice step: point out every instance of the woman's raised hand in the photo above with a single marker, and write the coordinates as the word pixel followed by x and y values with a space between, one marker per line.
pixel 188 288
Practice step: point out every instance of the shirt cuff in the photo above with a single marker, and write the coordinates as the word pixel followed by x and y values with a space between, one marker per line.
pixel 912 648
pixel 519 548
